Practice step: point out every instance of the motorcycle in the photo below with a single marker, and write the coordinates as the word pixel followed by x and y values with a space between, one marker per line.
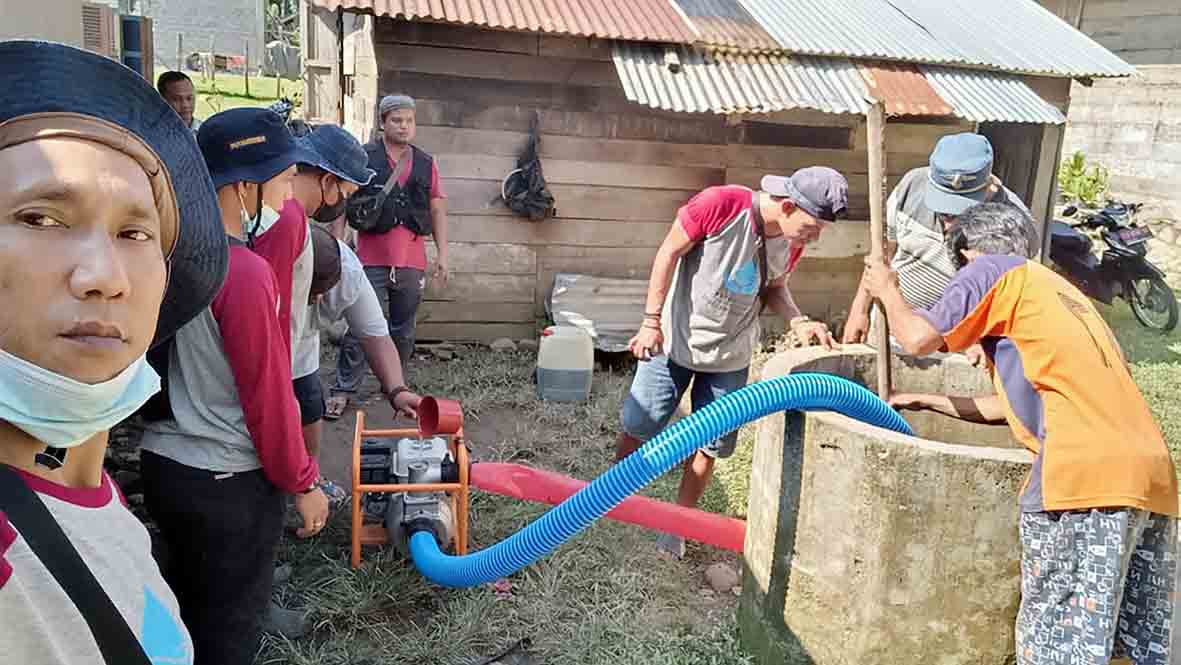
pixel 1123 271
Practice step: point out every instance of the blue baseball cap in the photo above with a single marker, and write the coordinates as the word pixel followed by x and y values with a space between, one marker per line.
pixel 60 86
pixel 249 145
pixel 338 153
pixel 959 173
pixel 818 190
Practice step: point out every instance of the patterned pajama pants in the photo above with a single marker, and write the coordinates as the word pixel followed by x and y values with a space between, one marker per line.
pixel 1096 585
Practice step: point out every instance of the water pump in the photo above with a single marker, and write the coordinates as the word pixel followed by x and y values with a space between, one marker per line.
pixel 410 461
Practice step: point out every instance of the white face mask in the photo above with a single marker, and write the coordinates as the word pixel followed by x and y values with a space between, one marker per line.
pixel 778 252
pixel 63 413
pixel 266 219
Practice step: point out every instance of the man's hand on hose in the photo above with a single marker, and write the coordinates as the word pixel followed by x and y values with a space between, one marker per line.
pixel 648 343
pixel 856 328
pixel 313 506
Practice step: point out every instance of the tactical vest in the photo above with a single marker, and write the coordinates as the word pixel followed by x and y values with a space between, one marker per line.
pixel 408 205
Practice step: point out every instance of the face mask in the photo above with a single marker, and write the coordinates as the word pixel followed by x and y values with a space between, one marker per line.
pixel 778 251
pixel 63 413
pixel 265 219
pixel 330 213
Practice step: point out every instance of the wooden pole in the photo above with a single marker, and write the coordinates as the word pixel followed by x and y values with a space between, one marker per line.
pixel 180 49
pixel 876 138
pixel 247 72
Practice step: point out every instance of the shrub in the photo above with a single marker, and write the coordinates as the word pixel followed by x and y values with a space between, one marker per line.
pixel 1080 183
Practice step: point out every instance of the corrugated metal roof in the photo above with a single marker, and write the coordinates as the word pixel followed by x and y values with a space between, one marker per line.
pixel 902 88
pixel 637 20
pixel 990 96
pixel 1008 35
pixel 732 83
pixel 725 23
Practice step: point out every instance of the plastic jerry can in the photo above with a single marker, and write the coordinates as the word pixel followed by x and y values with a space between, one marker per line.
pixel 565 364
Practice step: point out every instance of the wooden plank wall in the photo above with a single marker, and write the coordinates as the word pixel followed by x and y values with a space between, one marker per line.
pixel 619 171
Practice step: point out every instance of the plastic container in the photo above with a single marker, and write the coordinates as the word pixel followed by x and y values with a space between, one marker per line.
pixel 565 364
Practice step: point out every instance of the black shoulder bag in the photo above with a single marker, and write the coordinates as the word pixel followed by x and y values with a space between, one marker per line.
pixel 363 210
pixel 45 537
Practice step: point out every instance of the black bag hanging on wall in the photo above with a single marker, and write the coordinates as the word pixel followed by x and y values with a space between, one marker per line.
pixel 524 190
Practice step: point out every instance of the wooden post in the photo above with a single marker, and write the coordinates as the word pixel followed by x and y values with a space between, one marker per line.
pixel 247 70
pixel 180 50
pixel 875 127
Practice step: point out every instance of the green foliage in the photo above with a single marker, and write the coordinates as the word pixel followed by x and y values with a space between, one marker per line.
pixel 1080 183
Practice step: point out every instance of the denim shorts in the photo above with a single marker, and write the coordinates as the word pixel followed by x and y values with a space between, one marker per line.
pixel 656 392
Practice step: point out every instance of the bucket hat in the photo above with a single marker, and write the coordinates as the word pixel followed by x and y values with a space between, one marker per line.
pixel 53 81
pixel 338 153
pixel 249 145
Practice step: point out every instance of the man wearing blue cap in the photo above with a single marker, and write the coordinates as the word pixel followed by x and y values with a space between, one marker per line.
pixel 729 253
pixel 339 167
pixel 217 464
pixel 920 210
pixel 110 241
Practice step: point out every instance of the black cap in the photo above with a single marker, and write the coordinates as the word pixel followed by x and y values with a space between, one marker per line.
pixel 820 191
pixel 249 145
pixel 44 77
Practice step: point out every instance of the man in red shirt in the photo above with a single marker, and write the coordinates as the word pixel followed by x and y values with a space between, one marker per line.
pixel 730 251
pixel 218 461
pixel 395 261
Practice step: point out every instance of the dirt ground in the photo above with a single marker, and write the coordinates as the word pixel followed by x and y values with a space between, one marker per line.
pixel 604 597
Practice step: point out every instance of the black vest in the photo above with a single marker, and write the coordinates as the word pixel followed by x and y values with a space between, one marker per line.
pixel 408 206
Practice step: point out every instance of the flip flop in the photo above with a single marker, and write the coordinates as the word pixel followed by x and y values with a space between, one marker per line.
pixel 335 406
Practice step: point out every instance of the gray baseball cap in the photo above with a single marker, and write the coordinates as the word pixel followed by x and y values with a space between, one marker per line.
pixel 818 190
pixel 959 173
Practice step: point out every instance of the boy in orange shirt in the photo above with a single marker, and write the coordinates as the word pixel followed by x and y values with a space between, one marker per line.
pixel 1098 530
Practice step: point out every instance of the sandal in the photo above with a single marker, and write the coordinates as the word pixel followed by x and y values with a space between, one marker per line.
pixel 335 406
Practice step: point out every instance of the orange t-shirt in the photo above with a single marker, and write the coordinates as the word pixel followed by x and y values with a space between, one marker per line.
pixel 1067 392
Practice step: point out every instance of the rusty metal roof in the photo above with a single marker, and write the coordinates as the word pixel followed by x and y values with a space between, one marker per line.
pixel 902 88
pixel 634 20
pixel 727 24
pixel 693 81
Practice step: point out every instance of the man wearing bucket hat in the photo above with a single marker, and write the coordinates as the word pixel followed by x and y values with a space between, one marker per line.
pixel 100 183
pixel 729 253
pixel 216 467
pixel 322 187
pixel 920 210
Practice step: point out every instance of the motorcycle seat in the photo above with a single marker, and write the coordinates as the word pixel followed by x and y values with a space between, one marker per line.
pixel 1068 238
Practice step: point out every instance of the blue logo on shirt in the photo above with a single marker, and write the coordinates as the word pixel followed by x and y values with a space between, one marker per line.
pixel 163 641
pixel 745 280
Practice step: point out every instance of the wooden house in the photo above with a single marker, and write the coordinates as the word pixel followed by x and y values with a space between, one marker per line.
pixel 642 104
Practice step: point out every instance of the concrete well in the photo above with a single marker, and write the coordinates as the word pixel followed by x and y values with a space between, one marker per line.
pixel 864 546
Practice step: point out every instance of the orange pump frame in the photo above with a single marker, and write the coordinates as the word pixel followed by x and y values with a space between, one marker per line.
pixel 376 534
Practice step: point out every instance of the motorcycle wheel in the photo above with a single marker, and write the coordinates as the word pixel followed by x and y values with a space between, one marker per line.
pixel 1153 303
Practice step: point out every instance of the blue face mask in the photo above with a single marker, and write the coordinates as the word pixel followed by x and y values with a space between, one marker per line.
pixel 63 413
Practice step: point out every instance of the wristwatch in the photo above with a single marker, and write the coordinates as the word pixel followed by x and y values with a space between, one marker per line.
pixel 311 488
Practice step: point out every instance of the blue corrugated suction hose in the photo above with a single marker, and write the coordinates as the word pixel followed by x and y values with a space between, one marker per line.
pixel 795 392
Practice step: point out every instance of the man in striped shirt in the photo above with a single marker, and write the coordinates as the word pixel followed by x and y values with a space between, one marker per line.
pixel 920 210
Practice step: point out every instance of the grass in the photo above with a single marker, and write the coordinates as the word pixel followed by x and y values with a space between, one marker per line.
pixel 604 597
pixel 228 91
pixel 1155 361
